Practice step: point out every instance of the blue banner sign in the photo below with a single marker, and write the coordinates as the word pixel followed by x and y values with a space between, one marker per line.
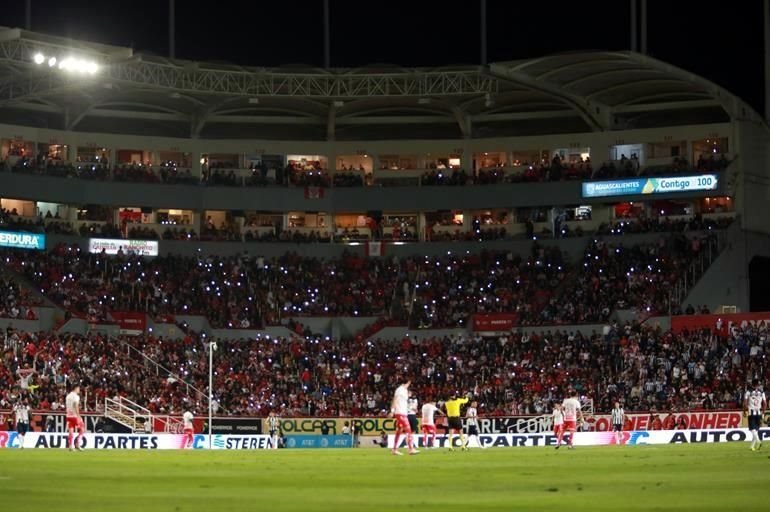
pixel 642 186
pixel 20 240
pixel 319 441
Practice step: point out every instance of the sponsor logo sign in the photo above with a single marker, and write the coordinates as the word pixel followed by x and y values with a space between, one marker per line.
pixel 134 441
pixel 130 322
pixel 19 240
pixel 334 426
pixel 643 186
pixel 495 322
pixel 114 246
pixel 310 441
pixel 630 438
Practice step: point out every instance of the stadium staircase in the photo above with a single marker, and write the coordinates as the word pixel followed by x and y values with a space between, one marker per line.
pixel 133 416
pixel 127 413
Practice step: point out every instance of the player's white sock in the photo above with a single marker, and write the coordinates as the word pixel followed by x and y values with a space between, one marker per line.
pixel 754 438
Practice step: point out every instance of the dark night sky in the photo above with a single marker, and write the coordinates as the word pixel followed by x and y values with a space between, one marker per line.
pixel 707 37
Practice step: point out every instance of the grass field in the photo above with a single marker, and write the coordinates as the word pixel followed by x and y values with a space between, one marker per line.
pixel 722 477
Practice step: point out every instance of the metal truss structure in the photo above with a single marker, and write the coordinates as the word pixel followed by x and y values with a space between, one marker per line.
pixel 595 87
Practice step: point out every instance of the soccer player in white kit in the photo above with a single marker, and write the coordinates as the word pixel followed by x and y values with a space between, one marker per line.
pixel 618 416
pixel 572 413
pixel 428 425
pixel 187 425
pixel 74 421
pixel 21 411
pixel 412 404
pixel 472 422
pixel 755 402
pixel 558 423
pixel 399 409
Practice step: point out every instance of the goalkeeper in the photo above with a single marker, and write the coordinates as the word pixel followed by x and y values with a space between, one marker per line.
pixel 454 422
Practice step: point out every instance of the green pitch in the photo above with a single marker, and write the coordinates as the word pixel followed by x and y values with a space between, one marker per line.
pixel 723 477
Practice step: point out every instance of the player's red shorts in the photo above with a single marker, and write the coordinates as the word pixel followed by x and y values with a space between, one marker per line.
pixel 558 428
pixel 428 429
pixel 188 431
pixel 570 425
pixel 73 422
pixel 402 423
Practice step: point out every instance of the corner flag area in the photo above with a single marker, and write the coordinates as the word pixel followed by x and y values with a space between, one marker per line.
pixel 684 477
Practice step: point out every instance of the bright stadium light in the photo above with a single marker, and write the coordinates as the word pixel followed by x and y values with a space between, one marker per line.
pixel 75 65
pixel 39 58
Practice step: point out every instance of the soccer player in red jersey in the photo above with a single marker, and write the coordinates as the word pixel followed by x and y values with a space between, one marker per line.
pixel 558 423
pixel 188 430
pixel 74 421
pixel 428 424
pixel 399 409
pixel 572 412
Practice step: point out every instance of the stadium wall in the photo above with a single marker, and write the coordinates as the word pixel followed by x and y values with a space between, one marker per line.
pixel 726 282
pixel 752 186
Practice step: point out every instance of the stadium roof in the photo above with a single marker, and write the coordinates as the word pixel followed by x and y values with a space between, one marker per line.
pixel 137 93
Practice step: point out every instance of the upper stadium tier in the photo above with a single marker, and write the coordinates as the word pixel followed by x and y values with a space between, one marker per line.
pixel 63 84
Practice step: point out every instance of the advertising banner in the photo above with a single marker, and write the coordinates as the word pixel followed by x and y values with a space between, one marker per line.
pixel 642 186
pixel 18 240
pixel 721 324
pixel 634 437
pixel 670 421
pixel 309 441
pixel 602 422
pixel 334 426
pixel 494 322
pixel 135 441
pixel 130 322
pixel 37 422
pixel 242 426
pixel 515 424
pixel 114 246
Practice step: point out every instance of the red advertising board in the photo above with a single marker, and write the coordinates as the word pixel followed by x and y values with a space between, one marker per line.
pixel 130 322
pixel 495 322
pixel 670 421
pixel 720 323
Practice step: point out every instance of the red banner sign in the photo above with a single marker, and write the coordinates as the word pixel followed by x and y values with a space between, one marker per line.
pixel 495 322
pixel 130 322
pixel 670 421
pixel 719 323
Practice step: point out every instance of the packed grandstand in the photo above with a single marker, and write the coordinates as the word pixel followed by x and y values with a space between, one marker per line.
pixel 512 232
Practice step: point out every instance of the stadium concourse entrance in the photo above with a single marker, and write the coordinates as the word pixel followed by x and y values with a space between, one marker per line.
pixel 759 283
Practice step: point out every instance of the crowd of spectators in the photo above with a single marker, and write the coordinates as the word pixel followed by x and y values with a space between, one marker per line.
pixel 439 291
pixel 645 368
pixel 313 174
pixel 446 291
pixel 15 301
pixel 641 277
pixel 662 225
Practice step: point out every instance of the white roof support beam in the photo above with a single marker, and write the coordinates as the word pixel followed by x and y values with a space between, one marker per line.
pixel 669 105
pixel 596 115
